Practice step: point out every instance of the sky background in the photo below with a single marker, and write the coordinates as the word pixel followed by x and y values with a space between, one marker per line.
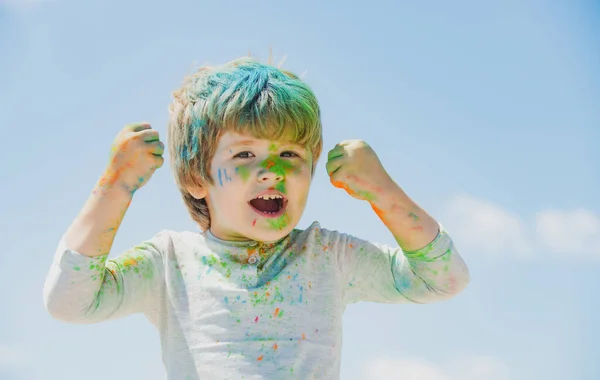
pixel 486 112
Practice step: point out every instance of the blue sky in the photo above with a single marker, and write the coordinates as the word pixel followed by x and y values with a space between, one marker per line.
pixel 486 113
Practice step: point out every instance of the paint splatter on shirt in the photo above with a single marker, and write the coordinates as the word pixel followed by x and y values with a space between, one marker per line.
pixel 246 309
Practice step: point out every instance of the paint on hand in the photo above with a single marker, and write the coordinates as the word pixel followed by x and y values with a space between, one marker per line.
pixel 362 194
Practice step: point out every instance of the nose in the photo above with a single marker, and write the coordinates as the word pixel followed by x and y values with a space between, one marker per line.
pixel 266 176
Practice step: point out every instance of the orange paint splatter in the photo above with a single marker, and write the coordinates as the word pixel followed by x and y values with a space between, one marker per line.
pixel 303 336
pixel 275 346
pixel 269 164
pixel 378 211
pixel 276 311
pixel 268 294
pixel 130 261
pixel 260 358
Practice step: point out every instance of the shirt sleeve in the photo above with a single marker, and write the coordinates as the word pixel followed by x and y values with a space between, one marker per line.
pixel 378 273
pixel 82 289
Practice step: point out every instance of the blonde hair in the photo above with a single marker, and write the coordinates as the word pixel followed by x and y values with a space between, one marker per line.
pixel 242 96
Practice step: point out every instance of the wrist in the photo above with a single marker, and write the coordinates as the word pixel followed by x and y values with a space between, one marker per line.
pixel 111 185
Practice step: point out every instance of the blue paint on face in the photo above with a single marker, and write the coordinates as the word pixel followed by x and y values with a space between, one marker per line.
pixel 227 178
pixel 220 179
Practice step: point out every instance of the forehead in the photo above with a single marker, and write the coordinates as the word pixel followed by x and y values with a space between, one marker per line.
pixel 230 139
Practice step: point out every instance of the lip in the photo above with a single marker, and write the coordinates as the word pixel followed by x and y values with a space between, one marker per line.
pixel 270 192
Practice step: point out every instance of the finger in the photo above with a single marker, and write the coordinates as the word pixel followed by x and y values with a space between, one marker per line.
pixel 159 161
pixel 137 127
pixel 157 148
pixel 336 180
pixel 344 143
pixel 333 165
pixel 338 151
pixel 149 135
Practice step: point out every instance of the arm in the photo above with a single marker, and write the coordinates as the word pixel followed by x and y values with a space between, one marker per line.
pixel 426 267
pixel 412 227
pixel 379 273
pixel 80 277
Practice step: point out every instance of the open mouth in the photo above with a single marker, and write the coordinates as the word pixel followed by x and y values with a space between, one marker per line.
pixel 269 206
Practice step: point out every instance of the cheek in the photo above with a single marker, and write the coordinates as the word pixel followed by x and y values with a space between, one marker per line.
pixel 243 172
pixel 223 176
pixel 300 184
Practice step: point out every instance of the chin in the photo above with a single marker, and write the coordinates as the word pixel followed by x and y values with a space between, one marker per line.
pixel 267 230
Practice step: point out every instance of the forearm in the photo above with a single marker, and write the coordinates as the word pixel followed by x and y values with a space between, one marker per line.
pixel 412 227
pixel 93 230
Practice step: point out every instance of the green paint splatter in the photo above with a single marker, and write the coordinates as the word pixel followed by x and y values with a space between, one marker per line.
pixel 136 262
pixel 76 268
pixel 243 171
pixel 279 166
pixel 413 215
pixel 366 195
pixel 280 187
pixel 279 223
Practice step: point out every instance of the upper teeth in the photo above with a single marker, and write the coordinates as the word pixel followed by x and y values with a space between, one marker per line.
pixel 273 196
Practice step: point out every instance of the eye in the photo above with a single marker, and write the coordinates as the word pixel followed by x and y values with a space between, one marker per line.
pixel 244 154
pixel 289 153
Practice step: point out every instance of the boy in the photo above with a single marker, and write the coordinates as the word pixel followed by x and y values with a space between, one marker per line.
pixel 251 296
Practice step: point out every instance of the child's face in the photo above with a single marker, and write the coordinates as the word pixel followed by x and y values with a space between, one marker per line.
pixel 260 188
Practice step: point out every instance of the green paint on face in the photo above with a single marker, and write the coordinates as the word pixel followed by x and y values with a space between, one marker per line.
pixel 273 147
pixel 280 187
pixel 244 172
pixel 279 166
pixel 279 223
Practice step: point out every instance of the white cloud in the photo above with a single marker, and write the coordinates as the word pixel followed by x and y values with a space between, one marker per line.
pixel 479 225
pixel 482 226
pixel 574 232
pixel 460 368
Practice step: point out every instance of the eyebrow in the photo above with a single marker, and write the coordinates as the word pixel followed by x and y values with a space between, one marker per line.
pixel 239 143
pixel 252 142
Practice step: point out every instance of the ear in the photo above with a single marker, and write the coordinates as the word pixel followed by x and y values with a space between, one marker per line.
pixel 197 191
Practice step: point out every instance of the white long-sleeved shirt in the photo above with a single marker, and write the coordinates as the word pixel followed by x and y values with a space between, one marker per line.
pixel 245 310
